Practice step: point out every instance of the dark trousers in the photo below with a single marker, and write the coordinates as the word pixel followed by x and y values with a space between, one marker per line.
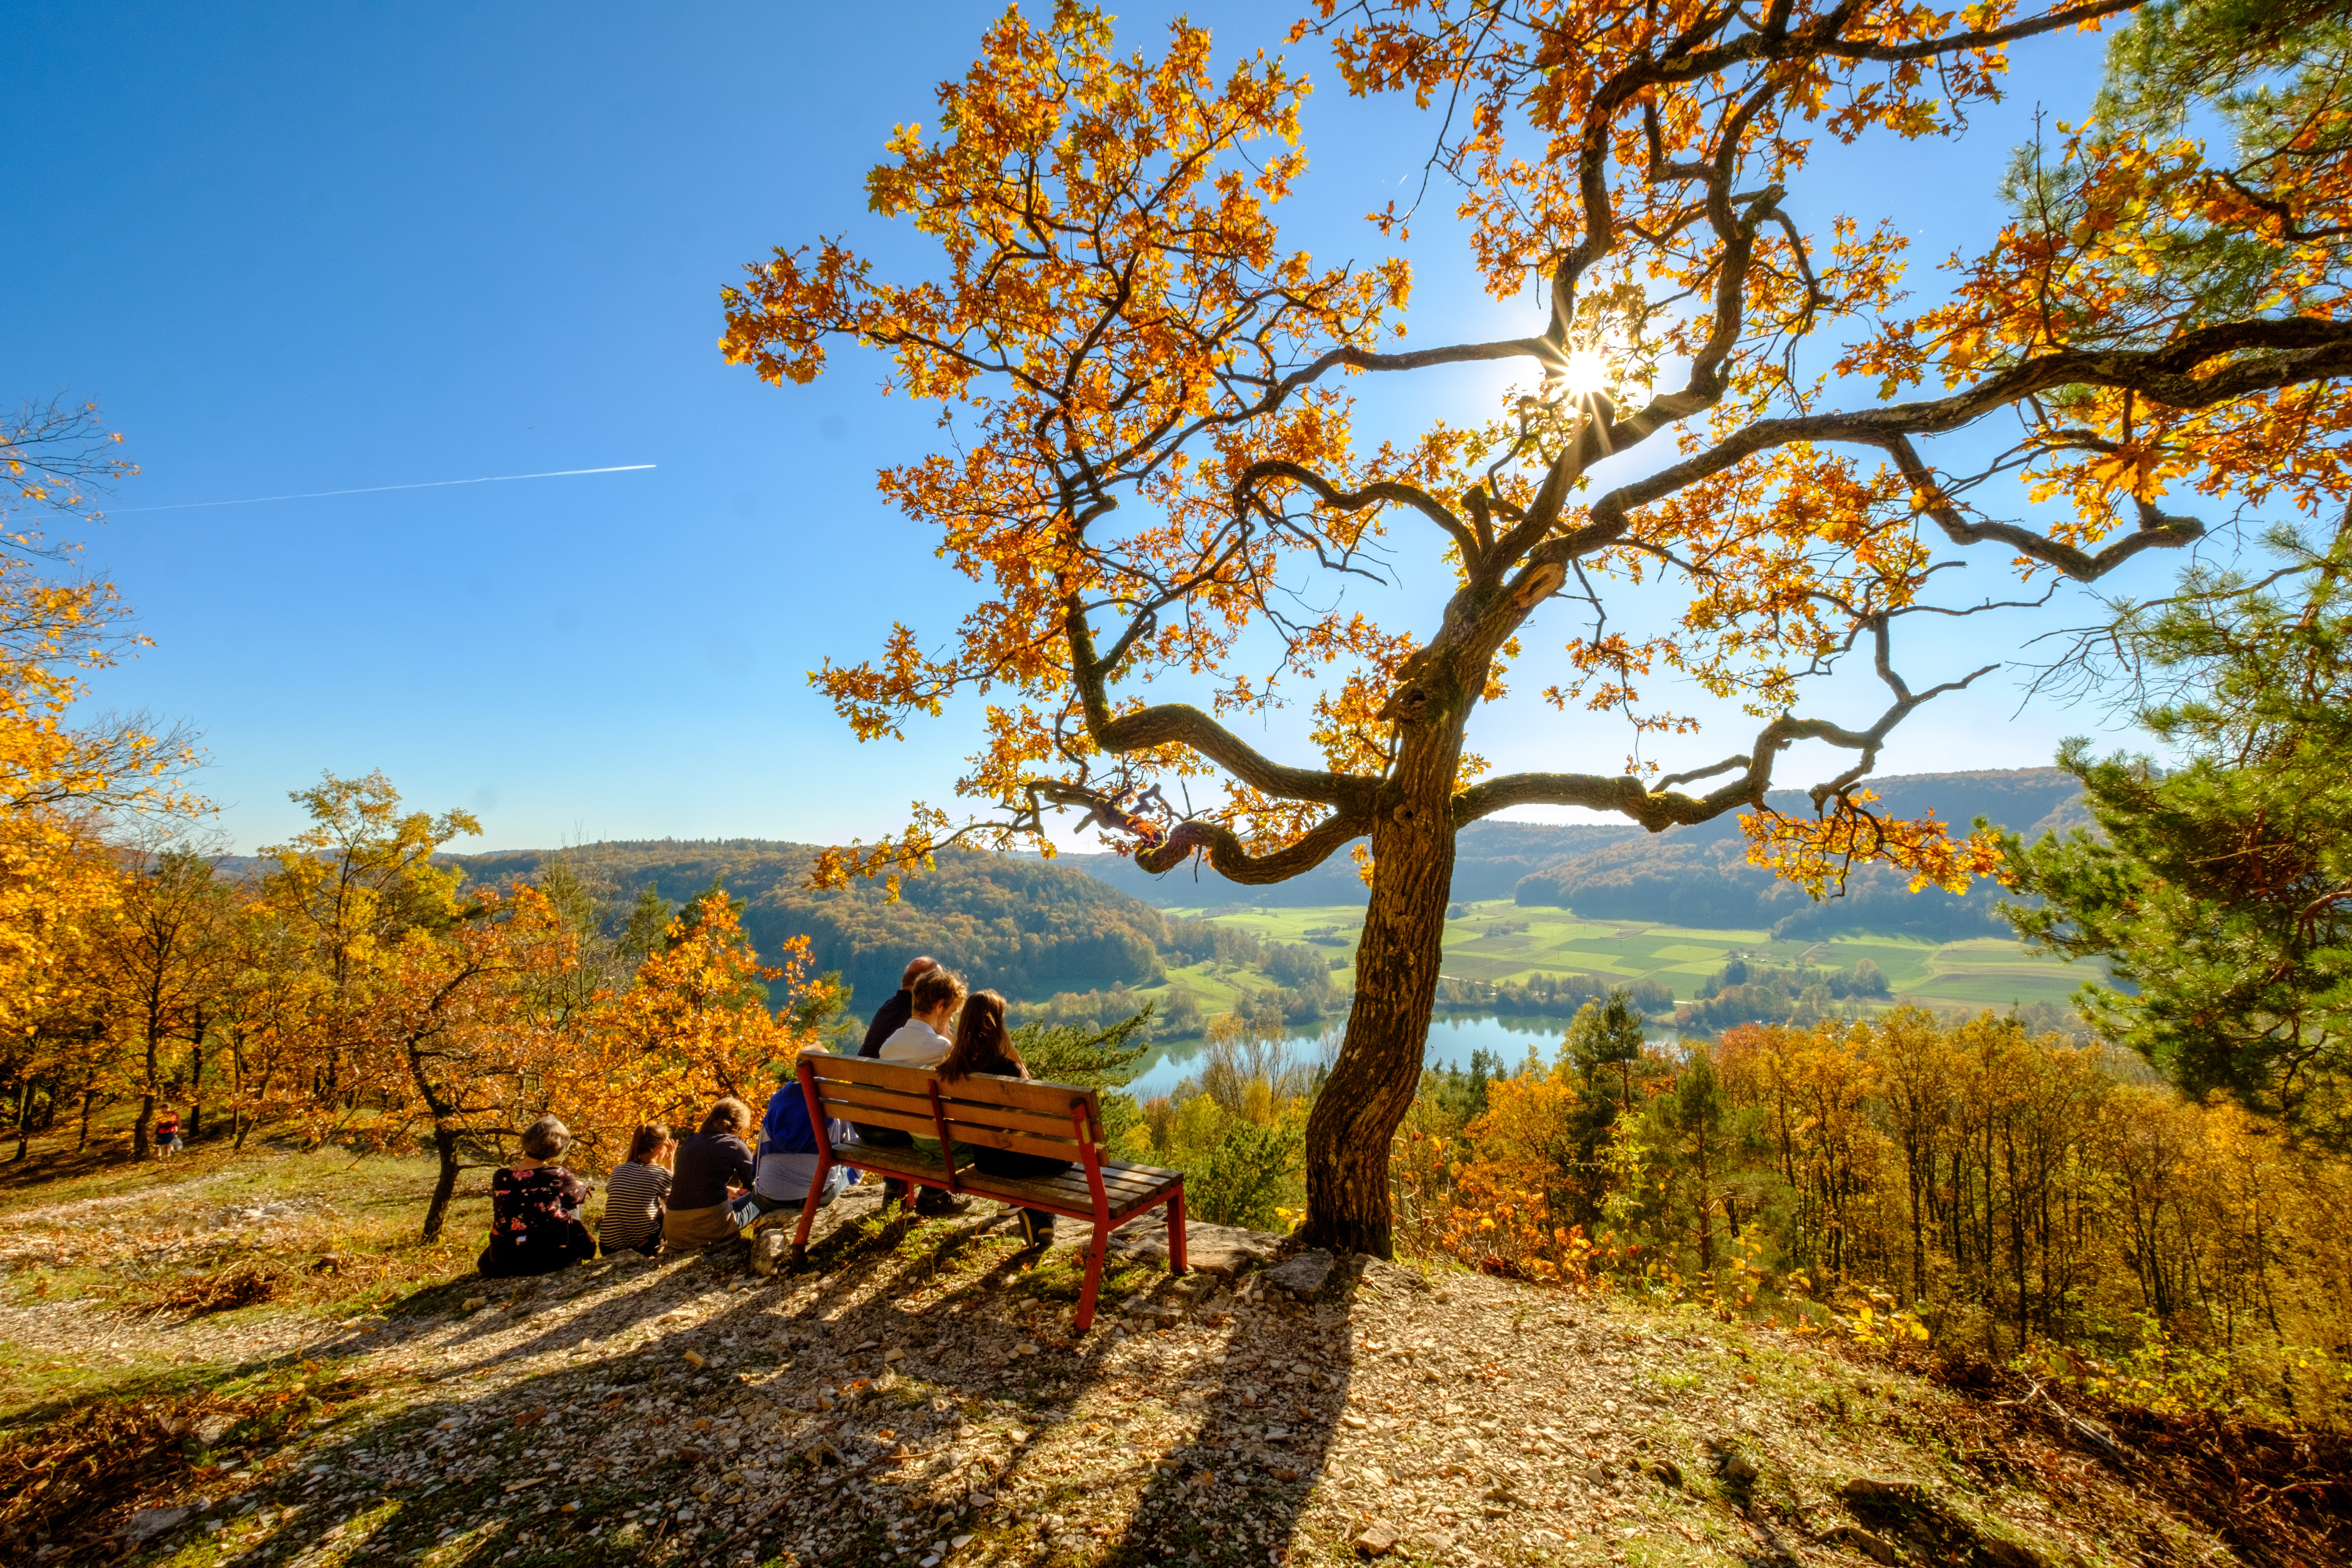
pixel 541 1252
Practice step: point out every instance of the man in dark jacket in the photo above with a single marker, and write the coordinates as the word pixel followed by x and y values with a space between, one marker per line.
pixel 888 1019
pixel 892 1016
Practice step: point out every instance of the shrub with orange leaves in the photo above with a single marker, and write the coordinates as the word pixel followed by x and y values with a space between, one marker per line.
pixel 1496 1199
pixel 705 1017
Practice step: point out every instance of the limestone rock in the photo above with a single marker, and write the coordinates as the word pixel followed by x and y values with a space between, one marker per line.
pixel 1881 1492
pixel 1213 1249
pixel 1853 1538
pixel 1303 1275
pixel 1379 1538
pixel 149 1523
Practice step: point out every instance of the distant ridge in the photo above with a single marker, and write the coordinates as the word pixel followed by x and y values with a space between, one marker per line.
pixel 1685 875
pixel 1489 860
pixel 1026 927
pixel 1700 876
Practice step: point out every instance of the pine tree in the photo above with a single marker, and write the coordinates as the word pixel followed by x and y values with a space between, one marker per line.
pixel 2220 891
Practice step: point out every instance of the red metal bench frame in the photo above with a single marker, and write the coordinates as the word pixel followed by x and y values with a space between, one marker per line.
pixel 1010 1113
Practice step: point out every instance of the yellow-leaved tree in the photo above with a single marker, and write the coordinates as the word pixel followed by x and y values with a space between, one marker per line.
pixel 705 1017
pixel 64 776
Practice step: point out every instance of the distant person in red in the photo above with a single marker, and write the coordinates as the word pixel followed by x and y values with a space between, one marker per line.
pixel 166 1134
pixel 535 1209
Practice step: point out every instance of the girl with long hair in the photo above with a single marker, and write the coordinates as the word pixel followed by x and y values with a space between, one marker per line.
pixel 983 1045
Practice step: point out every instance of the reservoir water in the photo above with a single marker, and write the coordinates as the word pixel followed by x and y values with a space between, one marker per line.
pixel 1452 1037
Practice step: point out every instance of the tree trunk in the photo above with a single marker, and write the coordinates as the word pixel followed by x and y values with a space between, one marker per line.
pixel 84 1145
pixel 240 1115
pixel 1372 1084
pixel 138 1128
pixel 444 1144
pixel 24 1116
pixel 197 1077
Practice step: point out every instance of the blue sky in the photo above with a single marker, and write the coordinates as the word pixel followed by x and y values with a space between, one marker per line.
pixel 297 248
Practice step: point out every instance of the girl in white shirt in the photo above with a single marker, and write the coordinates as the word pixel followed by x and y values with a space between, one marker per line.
pixel 921 1042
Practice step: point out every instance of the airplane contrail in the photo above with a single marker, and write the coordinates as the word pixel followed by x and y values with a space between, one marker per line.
pixel 373 489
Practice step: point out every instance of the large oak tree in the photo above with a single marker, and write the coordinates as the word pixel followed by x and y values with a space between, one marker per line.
pixel 1150 470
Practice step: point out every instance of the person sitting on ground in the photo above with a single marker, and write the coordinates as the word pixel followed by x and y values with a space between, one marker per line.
pixel 535 1209
pixel 788 1154
pixel 636 1193
pixel 714 1166
pixel 922 1042
pixel 983 1045
pixel 165 1134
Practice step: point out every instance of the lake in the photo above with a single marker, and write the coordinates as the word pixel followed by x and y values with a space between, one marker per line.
pixel 1452 1037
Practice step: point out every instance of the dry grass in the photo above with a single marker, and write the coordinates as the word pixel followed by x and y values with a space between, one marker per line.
pixel 73 1481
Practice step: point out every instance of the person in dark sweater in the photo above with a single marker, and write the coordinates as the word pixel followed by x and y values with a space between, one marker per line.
pixel 535 1209
pixel 701 1207
pixel 892 1016
pixel 983 1045
pixel 888 1019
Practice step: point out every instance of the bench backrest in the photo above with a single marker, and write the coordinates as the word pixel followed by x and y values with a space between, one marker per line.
pixel 1058 1121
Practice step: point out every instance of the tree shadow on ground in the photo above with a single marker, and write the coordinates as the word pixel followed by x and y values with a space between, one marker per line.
pixel 834 1416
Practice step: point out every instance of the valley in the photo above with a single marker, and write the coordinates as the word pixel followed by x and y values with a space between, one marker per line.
pixel 1496 939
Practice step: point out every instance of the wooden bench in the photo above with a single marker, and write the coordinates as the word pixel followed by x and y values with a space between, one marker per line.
pixel 1053 1120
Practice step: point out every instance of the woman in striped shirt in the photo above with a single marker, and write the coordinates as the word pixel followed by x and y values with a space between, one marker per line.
pixel 636 1193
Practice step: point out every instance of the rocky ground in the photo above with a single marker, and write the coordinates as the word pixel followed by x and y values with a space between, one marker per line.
pixel 914 1397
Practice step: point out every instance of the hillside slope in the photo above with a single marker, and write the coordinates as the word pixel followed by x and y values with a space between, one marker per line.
pixel 1700 876
pixel 1489 860
pixel 1028 927
pixel 916 1397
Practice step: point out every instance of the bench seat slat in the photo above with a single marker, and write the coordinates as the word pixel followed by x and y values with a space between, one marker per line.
pixel 1068 1191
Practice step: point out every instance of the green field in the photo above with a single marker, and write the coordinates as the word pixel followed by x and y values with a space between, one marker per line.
pixel 1486 943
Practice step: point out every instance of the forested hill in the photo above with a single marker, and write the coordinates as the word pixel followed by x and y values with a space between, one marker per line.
pixel 1686 875
pixel 1033 928
pixel 1026 927
pixel 1700 876
pixel 1489 860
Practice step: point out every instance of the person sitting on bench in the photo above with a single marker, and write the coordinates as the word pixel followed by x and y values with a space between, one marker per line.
pixel 983 1045
pixel 921 1042
pixel 788 1154
pixel 710 1164
pixel 892 1016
